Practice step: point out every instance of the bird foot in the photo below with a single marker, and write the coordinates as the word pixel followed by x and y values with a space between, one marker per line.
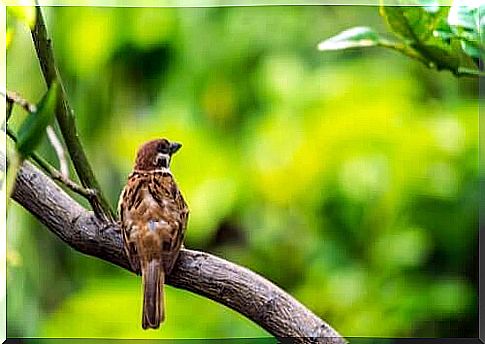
pixel 105 226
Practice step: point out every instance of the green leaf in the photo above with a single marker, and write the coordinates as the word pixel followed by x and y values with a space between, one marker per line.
pixel 33 128
pixel 25 14
pixel 447 56
pixel 464 17
pixel 444 35
pixel 471 49
pixel 441 57
pixel 352 38
pixel 413 23
pixel 397 21
pixel 465 24
pixel 466 62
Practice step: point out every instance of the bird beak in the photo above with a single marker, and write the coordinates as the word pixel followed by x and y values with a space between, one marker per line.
pixel 174 147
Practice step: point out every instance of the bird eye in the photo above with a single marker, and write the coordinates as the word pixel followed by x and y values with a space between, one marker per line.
pixel 163 148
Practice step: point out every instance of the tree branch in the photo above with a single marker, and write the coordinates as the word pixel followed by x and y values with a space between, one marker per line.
pixel 204 274
pixel 66 120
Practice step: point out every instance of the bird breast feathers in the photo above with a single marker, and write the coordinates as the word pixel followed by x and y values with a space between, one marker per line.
pixel 149 202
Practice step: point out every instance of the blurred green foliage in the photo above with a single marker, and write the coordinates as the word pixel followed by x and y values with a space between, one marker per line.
pixel 350 179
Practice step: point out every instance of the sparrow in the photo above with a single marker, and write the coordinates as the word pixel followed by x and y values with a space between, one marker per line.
pixel 153 218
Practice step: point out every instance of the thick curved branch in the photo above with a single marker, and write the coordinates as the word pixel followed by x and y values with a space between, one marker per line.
pixel 229 284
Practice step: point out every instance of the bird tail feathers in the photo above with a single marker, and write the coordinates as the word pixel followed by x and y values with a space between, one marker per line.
pixel 153 303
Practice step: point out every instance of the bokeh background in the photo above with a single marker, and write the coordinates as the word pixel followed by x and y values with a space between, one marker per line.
pixel 350 179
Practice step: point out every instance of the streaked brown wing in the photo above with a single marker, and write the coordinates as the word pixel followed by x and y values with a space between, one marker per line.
pixel 166 193
pixel 130 197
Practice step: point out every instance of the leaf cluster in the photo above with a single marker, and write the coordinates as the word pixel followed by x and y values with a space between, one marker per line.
pixel 442 38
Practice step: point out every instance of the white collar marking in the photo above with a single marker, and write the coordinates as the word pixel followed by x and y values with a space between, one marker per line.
pixel 163 170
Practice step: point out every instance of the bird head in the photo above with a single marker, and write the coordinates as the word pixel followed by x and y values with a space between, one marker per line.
pixel 156 155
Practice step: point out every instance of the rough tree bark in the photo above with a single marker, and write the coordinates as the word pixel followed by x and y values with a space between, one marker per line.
pixel 229 284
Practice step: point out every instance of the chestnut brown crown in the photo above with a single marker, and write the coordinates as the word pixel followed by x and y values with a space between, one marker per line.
pixel 155 155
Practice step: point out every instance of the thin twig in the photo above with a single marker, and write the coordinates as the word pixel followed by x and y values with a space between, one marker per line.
pixel 14 97
pixel 66 120
pixel 55 174
pixel 404 49
pixel 412 53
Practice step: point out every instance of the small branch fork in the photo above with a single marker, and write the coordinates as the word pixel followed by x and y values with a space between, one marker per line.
pixel 63 176
pixel 65 118
pixel 55 174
